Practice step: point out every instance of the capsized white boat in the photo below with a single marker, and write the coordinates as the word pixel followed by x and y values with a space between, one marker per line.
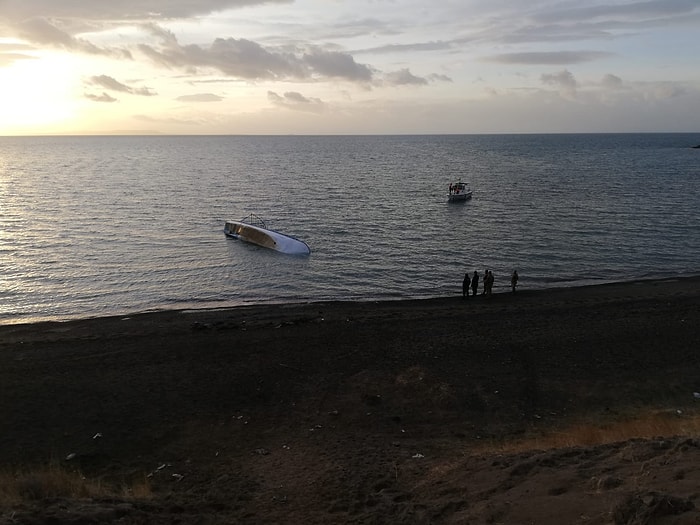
pixel 459 191
pixel 252 229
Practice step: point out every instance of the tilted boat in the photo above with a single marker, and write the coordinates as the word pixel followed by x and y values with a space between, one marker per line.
pixel 459 191
pixel 253 229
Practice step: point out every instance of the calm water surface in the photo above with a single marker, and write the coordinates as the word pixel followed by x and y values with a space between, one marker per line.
pixel 93 226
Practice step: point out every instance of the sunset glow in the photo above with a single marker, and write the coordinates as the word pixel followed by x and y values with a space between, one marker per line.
pixel 312 66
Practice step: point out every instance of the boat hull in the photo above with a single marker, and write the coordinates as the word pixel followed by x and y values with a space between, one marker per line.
pixel 266 238
pixel 459 197
pixel 459 192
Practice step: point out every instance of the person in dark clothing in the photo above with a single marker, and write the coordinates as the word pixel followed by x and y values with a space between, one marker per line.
pixel 514 280
pixel 488 282
pixel 465 286
pixel 475 283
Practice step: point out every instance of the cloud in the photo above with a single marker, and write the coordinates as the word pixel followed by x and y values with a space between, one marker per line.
pixel 436 77
pixel 408 48
pixel 200 97
pixel 548 58
pixel 8 58
pixel 604 21
pixel 558 33
pixel 297 102
pixel 345 49
pixel 124 10
pixel 235 57
pixel 337 65
pixel 564 80
pixel 111 84
pixel 354 27
pixel 104 97
pixel 16 49
pixel 611 81
pixel 666 90
pixel 249 60
pixel 616 12
pixel 56 23
pixel 403 77
pixel 41 32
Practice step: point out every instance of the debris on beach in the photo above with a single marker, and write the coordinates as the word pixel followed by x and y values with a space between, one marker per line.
pixel 158 469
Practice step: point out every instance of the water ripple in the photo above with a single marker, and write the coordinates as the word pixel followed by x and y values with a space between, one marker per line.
pixel 104 225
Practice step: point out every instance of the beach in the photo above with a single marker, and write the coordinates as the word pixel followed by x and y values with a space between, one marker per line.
pixel 411 411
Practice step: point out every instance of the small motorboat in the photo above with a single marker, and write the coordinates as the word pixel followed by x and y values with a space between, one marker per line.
pixel 459 191
pixel 252 229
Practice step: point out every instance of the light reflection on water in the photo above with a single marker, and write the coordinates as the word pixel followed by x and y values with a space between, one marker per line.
pixel 106 225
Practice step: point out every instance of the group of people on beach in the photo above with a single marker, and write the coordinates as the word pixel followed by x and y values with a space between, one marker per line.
pixel 473 283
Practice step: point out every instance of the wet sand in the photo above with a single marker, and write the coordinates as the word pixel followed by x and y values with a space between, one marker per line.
pixel 350 412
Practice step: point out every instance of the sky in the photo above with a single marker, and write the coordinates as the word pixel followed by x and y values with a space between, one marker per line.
pixel 348 67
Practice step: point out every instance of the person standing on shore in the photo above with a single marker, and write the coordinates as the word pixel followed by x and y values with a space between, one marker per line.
pixel 514 280
pixel 475 283
pixel 465 286
pixel 488 282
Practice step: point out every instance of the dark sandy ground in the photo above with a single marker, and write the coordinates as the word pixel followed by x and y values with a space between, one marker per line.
pixel 379 412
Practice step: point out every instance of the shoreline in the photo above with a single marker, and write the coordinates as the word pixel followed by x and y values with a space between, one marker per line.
pixel 691 280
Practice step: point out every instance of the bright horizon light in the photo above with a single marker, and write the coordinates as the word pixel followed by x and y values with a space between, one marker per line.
pixel 367 67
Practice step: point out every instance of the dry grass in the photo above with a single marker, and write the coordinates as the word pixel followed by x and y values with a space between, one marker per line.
pixel 654 424
pixel 54 481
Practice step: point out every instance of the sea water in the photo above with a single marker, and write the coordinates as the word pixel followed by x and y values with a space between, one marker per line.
pixel 94 226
